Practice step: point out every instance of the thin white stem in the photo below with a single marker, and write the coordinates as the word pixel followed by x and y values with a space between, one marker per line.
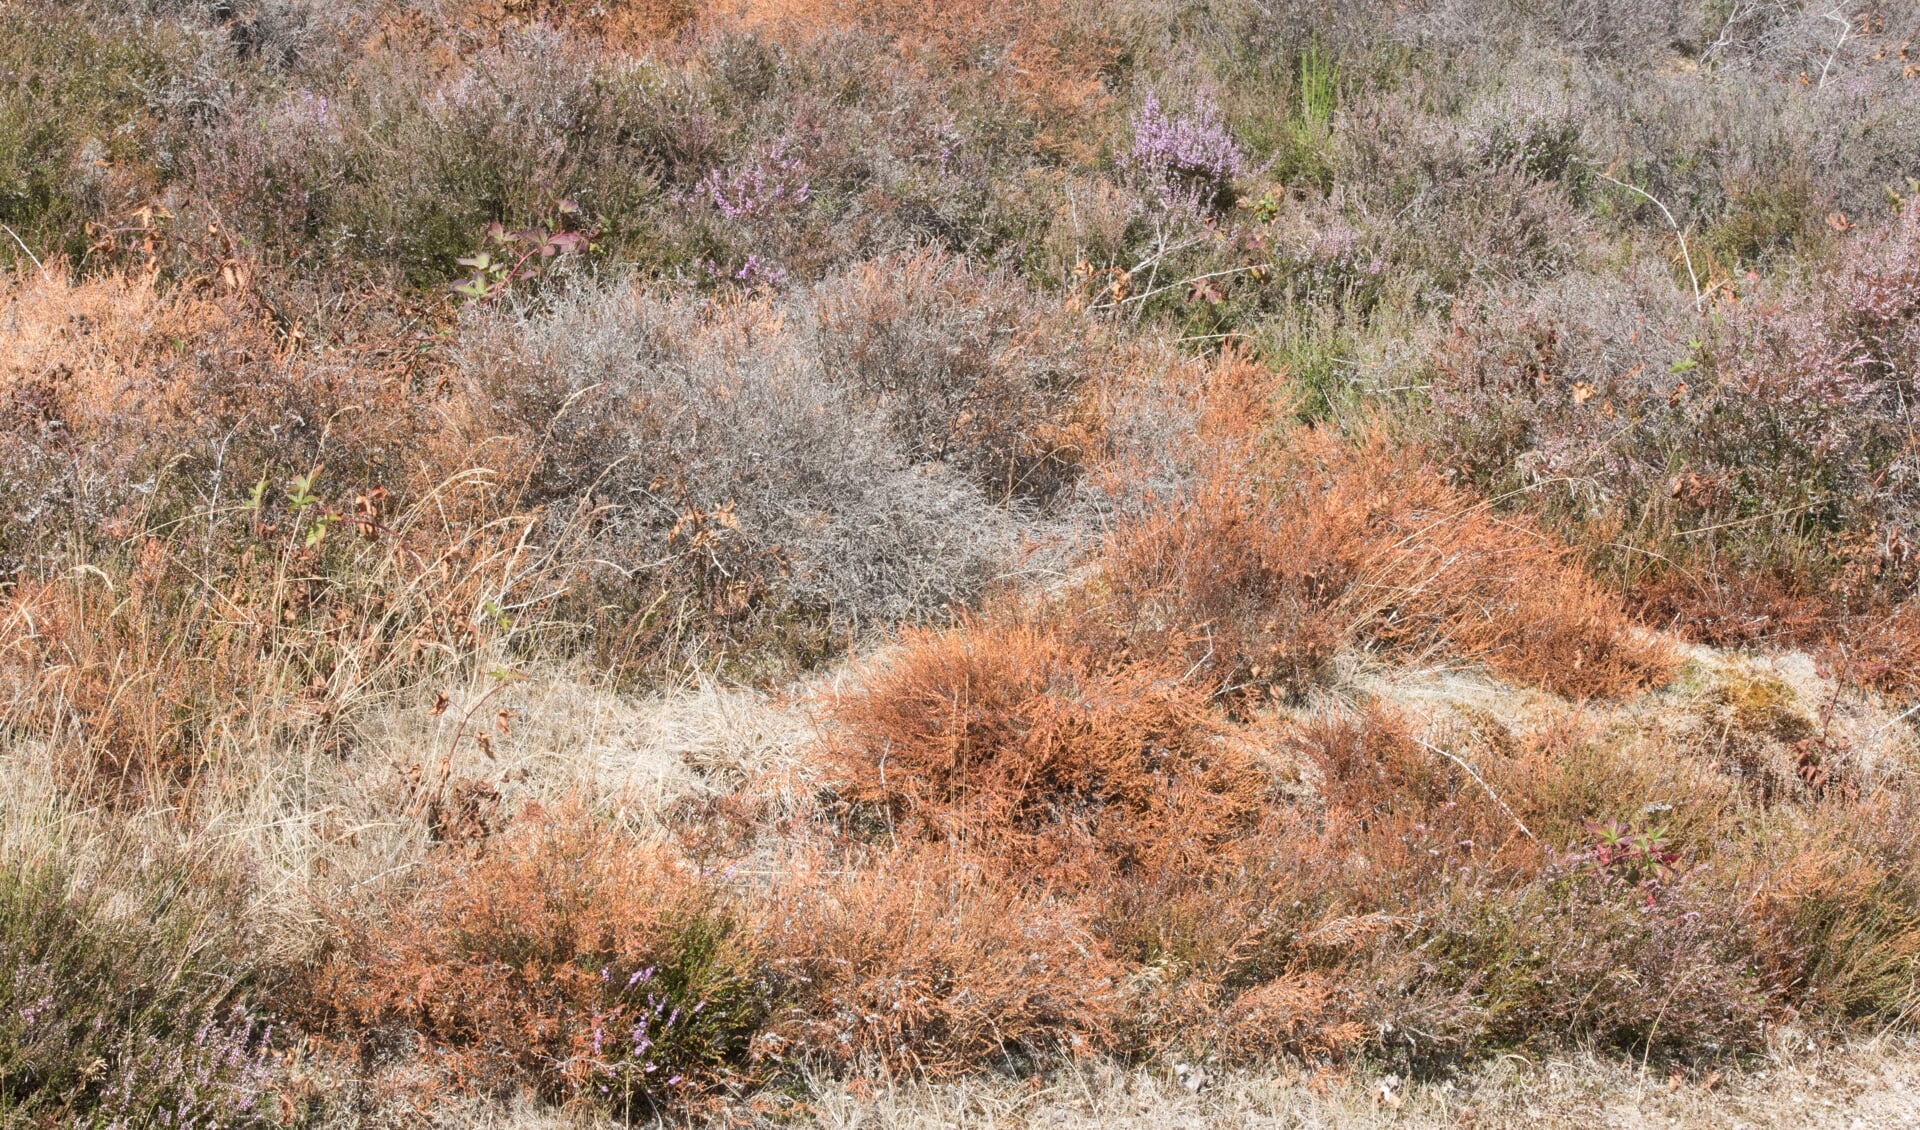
pixel 1146 294
pixel 22 244
pixel 1672 223
pixel 1471 772
pixel 1846 29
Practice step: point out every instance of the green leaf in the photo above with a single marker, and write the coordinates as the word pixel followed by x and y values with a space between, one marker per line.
pixel 300 495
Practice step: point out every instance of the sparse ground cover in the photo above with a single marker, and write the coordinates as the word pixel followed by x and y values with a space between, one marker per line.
pixel 1021 564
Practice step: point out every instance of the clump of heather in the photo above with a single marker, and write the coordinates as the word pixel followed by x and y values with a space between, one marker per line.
pixel 565 956
pixel 105 1023
pixel 770 182
pixel 1769 429
pixel 1193 156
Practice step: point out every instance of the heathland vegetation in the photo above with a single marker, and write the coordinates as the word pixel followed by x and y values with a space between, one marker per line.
pixel 645 559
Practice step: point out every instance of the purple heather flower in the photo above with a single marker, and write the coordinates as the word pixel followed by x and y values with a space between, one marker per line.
pixel 1195 151
pixel 766 184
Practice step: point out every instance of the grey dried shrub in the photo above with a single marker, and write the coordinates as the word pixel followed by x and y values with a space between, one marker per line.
pixel 960 368
pixel 843 464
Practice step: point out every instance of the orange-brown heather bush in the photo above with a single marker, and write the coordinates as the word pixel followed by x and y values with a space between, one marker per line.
pixel 563 955
pixel 1075 747
pixel 1881 651
pixel 1733 610
pixel 1250 597
pixel 1412 812
pixel 1257 575
pixel 1032 747
pixel 1835 909
pixel 1418 905
pixel 1301 1012
pixel 923 961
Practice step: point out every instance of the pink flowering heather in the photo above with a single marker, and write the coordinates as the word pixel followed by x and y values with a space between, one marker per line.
pixel 769 183
pixel 1195 152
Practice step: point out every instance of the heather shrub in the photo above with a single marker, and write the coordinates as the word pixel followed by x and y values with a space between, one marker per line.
pixel 1511 225
pixel 861 153
pixel 620 22
pixel 725 458
pixel 1774 427
pixel 122 1015
pixel 1575 885
pixel 1026 743
pixel 1880 648
pixel 1190 155
pixel 734 155
pixel 1766 220
pixel 1216 579
pixel 129 408
pixel 1257 587
pixel 1838 924
pixel 404 171
pixel 923 962
pixel 1658 973
pixel 1448 913
pixel 970 371
pixel 1457 207
pixel 565 956
pixel 93 103
pixel 1613 30
pixel 1401 905
pixel 1393 797
pixel 1523 382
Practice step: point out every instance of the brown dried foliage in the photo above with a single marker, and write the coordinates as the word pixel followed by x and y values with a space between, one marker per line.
pixel 1258 575
pixel 622 23
pixel 921 961
pixel 533 958
pixel 1010 737
pixel 1832 908
pixel 1051 52
pixel 158 612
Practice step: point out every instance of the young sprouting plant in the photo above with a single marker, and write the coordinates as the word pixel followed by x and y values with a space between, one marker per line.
pixel 1633 857
pixel 513 256
pixel 300 495
pixel 300 498
pixel 1319 88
